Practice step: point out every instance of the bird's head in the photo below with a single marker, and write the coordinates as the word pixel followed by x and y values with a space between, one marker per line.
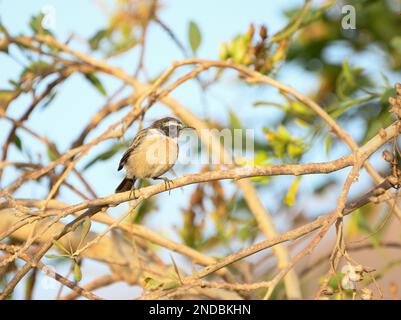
pixel 170 126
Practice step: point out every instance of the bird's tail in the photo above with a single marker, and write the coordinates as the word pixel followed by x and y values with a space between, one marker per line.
pixel 125 185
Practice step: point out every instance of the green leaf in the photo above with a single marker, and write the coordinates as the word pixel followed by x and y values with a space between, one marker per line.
pixel 396 43
pixel 49 100
pixel 152 283
pixel 239 48
pixel 36 24
pixel 77 272
pixel 121 46
pixel 295 150
pixel 289 199
pixel 17 142
pixel 6 96
pixel 37 67
pixel 4 49
pixel 56 256
pixel 51 154
pixel 362 222
pixel 194 36
pixel 15 84
pixel 301 123
pixel 335 280
pixel 248 231
pixel 3 29
pixel 347 72
pixel 243 233
pixel 176 268
pixel 94 80
pixel 235 122
pixel 106 155
pixel 59 244
pixel 293 25
pixel 387 93
pixel 336 110
pixel 283 133
pixel 224 52
pixel 349 80
pixel 327 145
pixel 270 104
pixel 85 228
pixel 94 42
pixel 170 285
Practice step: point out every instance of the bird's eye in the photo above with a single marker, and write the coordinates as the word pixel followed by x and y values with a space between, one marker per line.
pixel 173 128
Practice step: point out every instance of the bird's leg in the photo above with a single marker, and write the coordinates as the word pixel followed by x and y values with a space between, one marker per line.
pixel 133 189
pixel 132 193
pixel 167 183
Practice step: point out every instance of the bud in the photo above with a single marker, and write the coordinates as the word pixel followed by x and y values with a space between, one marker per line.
pixel 393 180
pixel 359 268
pixel 398 88
pixel 251 31
pixel 224 52
pixel 328 291
pixel 366 294
pixel 387 156
pixel 263 32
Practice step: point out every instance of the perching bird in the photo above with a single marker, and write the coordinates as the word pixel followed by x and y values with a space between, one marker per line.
pixel 153 152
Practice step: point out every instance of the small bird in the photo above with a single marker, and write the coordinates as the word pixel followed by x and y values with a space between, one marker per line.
pixel 153 152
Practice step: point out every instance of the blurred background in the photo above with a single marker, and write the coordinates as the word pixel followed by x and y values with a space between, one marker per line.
pixel 349 72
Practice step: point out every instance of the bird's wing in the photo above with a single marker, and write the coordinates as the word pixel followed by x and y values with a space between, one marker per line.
pixel 135 143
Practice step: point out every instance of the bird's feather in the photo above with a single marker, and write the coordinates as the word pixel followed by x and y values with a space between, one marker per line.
pixel 135 143
pixel 125 185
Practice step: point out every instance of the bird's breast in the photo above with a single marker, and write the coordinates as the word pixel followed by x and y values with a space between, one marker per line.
pixel 154 156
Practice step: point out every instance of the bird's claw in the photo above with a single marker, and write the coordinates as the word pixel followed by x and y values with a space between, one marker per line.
pixel 132 194
pixel 167 183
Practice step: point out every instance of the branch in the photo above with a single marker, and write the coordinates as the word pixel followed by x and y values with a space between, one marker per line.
pixel 72 285
pixel 287 236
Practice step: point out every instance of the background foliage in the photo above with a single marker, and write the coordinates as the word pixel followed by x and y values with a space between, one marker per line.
pixel 349 73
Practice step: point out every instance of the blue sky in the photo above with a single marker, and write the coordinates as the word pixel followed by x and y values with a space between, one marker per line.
pixel 77 101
